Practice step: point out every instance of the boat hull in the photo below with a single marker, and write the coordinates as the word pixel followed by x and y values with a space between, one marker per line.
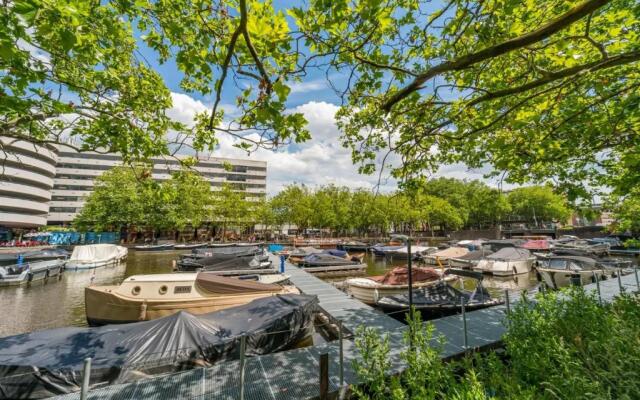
pixel 556 279
pixel 104 305
pixel 505 268
pixel 368 292
pixel 37 273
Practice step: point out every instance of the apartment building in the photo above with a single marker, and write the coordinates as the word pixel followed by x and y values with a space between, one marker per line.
pixel 27 173
pixel 75 173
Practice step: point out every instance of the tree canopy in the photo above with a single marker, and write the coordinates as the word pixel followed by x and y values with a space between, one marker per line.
pixel 538 204
pixel 537 90
pixel 130 197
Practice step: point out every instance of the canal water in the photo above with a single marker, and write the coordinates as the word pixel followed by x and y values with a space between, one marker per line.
pixel 59 302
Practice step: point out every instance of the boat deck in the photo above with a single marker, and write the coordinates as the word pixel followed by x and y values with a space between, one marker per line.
pixel 294 374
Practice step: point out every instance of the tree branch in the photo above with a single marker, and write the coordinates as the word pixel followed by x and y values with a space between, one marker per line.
pixel 571 16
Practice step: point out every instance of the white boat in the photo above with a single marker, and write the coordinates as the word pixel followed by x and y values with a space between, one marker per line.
pixel 95 255
pixel 416 251
pixel 12 275
pixel 507 262
pixel 562 271
pixel 369 290
pixel 469 260
pixel 582 245
pixel 147 297
pixel 442 257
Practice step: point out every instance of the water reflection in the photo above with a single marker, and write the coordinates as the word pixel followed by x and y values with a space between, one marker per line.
pixel 60 302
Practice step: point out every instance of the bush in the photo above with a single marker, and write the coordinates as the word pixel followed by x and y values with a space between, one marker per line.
pixel 565 345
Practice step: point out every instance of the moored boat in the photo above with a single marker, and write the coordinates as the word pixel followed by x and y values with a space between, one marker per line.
pixel 326 260
pixel 190 246
pixel 561 271
pixel 469 260
pixel 441 298
pixel 353 246
pixel 13 275
pixel 370 289
pixel 571 243
pixel 216 263
pixel 95 255
pixel 154 247
pixel 48 363
pixel 147 297
pixel 402 253
pixel 33 255
pixel 506 262
pixel 441 258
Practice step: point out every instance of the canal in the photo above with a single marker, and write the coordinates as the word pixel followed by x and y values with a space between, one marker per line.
pixel 60 302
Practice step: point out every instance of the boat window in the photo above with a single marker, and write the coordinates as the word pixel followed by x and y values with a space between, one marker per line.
pixel 574 266
pixel 136 290
pixel 163 289
pixel 557 264
pixel 182 289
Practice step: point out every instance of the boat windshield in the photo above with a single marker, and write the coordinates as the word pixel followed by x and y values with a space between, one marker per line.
pixel 555 263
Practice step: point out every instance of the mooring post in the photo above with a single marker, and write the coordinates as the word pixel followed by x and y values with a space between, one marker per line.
pixel 86 375
pixel 464 324
pixel 243 350
pixel 410 276
pixel 340 337
pixel 620 280
pixel 506 300
pixel 324 376
pixel 598 287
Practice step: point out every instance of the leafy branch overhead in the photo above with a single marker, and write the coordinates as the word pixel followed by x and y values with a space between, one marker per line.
pixel 538 90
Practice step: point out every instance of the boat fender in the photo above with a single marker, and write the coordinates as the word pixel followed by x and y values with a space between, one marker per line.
pixel 174 265
pixel 143 311
pixel 376 296
pixel 538 277
pixel 29 276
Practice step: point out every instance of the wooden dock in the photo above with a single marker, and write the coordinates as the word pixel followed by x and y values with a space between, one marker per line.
pixel 294 374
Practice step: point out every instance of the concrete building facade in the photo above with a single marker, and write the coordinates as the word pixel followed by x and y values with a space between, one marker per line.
pixel 75 172
pixel 27 173
pixel 42 185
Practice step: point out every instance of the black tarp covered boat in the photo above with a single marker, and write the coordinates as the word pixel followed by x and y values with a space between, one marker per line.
pixel 442 298
pixel 48 363
pixel 324 260
pixel 217 263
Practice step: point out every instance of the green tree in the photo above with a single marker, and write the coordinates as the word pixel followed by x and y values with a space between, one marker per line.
pixel 126 197
pixel 230 207
pixel 293 205
pixel 538 89
pixel 538 204
pixel 626 212
pixel 114 203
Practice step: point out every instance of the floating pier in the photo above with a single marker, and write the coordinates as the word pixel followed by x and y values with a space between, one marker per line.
pixel 295 374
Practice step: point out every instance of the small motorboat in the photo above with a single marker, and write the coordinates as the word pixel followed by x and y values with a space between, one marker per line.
pixel 402 253
pixel 469 260
pixel 353 246
pixel 154 247
pixel 441 298
pixel 380 250
pixel 506 262
pixel 560 271
pixel 49 363
pixel 11 275
pixel 147 297
pixel 572 243
pixel 190 246
pixel 95 255
pixel 224 263
pixel 299 253
pixel 33 255
pixel 441 258
pixel 326 260
pixel 538 245
pixel 396 281
pixel 498 244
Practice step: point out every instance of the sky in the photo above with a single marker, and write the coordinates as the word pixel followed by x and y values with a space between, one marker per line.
pixel 319 161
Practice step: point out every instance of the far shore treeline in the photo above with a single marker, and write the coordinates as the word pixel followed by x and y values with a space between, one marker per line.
pixel 127 197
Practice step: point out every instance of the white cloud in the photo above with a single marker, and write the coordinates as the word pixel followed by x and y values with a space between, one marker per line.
pixel 310 86
pixel 320 161
pixel 185 108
